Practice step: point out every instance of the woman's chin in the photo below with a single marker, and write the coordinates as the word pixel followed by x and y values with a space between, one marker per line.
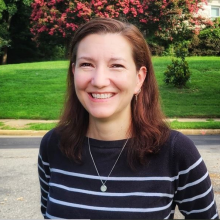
pixel 101 115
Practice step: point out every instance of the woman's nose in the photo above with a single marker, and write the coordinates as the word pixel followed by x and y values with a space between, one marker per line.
pixel 100 78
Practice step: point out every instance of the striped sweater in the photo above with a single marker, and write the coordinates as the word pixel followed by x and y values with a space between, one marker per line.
pixel 177 175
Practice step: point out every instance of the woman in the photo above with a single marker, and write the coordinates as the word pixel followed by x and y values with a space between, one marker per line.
pixel 112 155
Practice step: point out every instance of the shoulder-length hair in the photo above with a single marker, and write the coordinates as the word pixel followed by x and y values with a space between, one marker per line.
pixel 148 128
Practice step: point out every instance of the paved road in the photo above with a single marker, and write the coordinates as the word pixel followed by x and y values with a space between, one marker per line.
pixel 19 187
pixel 34 142
pixel 19 142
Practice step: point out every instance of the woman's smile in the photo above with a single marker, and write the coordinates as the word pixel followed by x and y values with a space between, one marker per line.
pixel 101 95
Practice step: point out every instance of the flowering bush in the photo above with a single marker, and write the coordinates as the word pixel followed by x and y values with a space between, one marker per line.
pixel 164 19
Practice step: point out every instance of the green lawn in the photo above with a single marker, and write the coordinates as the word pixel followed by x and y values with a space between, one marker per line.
pixel 36 90
pixel 173 125
pixel 201 98
pixel 32 90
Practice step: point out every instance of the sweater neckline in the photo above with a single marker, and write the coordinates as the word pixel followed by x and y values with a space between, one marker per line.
pixel 105 144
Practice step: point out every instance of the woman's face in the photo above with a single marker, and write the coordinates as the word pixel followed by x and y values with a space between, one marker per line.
pixel 105 76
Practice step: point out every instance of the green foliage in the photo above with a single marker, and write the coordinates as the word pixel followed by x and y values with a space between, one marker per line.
pixel 212 32
pixel 16 38
pixel 2 8
pixel 178 72
pixel 207 42
pixel 51 52
pixel 23 48
pixel 156 49
pixel 169 51
pixel 4 37
pixel 181 50
pixel 10 9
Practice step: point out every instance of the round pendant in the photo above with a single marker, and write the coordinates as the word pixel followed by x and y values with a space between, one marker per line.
pixel 103 188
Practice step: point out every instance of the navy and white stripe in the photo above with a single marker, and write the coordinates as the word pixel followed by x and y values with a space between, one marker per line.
pixel 176 176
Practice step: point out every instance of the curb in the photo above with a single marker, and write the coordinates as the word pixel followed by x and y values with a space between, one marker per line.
pixel 23 133
pixel 43 132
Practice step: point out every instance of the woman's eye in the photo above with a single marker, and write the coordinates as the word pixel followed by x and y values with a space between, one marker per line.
pixel 85 64
pixel 117 66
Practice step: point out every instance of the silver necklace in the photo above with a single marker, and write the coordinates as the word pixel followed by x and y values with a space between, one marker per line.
pixel 103 186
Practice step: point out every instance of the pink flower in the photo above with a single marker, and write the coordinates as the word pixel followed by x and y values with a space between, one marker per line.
pixel 126 10
pixel 140 11
pixel 51 32
pixel 143 21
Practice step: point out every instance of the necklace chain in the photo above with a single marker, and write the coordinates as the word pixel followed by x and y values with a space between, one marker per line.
pixel 104 187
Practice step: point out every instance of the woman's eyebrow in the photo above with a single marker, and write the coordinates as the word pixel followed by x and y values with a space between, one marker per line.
pixel 111 59
pixel 117 59
pixel 85 58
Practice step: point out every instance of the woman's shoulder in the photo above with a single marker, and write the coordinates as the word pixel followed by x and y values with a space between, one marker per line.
pixel 51 134
pixel 180 142
pixel 51 138
pixel 183 150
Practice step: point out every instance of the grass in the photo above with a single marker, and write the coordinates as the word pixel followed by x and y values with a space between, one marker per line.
pixel 36 90
pixel 32 90
pixel 174 125
pixel 195 125
pixel 201 98
pixel 31 126
pixel 43 126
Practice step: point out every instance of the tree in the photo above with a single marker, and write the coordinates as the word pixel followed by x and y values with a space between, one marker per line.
pixel 8 8
pixel 22 47
pixel 165 19
pixel 4 36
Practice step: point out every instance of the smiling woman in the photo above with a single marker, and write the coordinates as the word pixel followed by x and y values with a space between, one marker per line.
pixel 112 155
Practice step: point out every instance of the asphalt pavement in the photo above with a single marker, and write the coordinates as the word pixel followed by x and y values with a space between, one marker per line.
pixel 19 186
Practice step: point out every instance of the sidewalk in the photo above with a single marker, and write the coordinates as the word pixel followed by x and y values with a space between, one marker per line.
pixel 21 123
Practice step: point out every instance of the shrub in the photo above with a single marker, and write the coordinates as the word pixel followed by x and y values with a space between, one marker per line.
pixel 51 52
pixel 177 72
pixel 156 49
pixel 207 43
pixel 169 51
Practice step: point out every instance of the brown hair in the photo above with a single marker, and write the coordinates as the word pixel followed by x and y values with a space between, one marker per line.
pixel 148 127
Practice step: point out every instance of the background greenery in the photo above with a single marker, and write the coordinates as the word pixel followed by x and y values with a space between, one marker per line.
pixel 174 125
pixel 18 45
pixel 36 90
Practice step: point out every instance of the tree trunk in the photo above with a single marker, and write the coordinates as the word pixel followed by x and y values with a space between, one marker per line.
pixel 5 49
pixel 67 46
pixel 5 55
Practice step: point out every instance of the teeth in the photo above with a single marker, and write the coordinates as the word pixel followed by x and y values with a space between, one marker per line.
pixel 102 96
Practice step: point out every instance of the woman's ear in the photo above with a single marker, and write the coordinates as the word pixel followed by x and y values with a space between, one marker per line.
pixel 141 75
pixel 73 68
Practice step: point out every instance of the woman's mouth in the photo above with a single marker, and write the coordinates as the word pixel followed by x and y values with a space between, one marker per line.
pixel 101 95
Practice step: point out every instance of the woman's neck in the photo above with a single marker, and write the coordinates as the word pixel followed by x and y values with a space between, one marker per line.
pixel 104 129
